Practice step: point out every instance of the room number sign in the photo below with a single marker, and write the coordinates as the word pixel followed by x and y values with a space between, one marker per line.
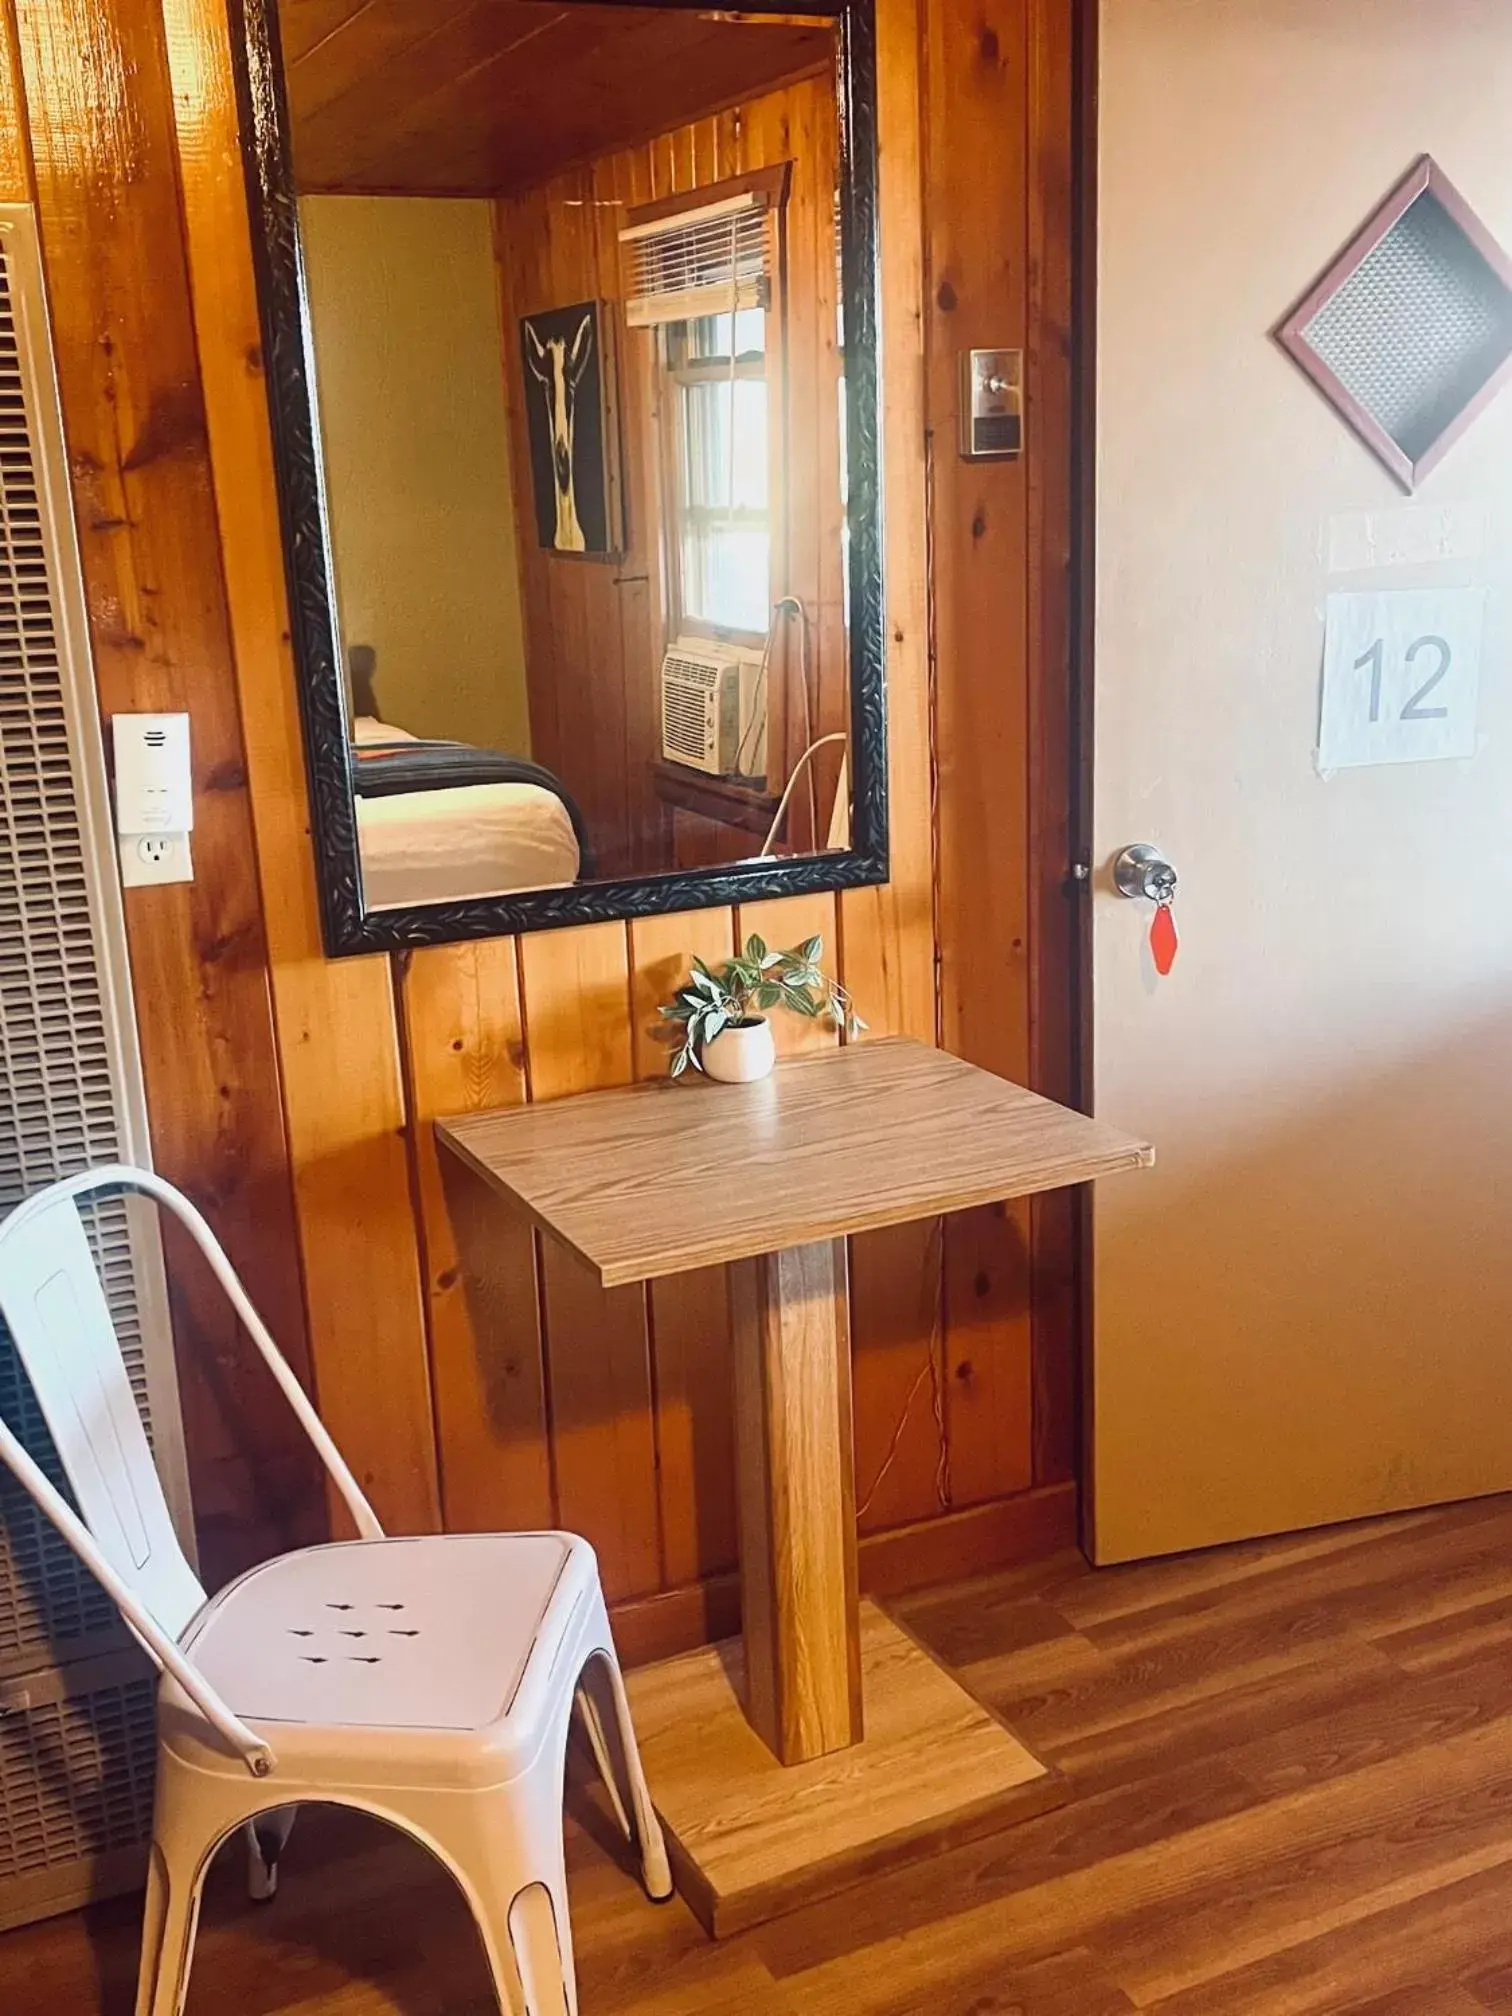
pixel 1401 676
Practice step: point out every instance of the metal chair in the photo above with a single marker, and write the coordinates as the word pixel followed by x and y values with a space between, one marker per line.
pixel 430 1681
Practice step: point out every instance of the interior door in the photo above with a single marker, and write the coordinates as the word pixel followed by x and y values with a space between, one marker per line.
pixel 1304 1313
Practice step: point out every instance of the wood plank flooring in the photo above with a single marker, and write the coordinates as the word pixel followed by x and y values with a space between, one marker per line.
pixel 1292 1765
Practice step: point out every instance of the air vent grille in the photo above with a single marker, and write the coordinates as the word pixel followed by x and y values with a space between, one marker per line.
pixel 1409 333
pixel 58 1106
pixel 76 1777
pixel 76 1729
pixel 690 703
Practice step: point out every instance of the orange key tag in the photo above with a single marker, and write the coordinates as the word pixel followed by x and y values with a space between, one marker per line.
pixel 1163 939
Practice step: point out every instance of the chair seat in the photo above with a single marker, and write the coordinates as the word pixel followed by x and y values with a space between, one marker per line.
pixel 422 1638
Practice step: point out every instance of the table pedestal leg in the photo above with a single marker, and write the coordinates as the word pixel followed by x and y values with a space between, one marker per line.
pixel 797 1501
pixel 771 1791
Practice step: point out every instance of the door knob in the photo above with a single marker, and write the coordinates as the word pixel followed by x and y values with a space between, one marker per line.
pixel 1145 872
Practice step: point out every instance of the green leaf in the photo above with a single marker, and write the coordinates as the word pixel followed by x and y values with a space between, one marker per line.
pixel 755 949
pixel 710 1025
pixel 811 951
pixel 680 1063
pixel 802 1005
pixel 768 996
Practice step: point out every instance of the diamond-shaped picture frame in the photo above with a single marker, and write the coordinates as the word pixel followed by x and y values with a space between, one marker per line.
pixel 1408 334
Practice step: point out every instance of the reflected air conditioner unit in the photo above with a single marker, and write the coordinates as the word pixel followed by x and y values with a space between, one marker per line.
pixel 713 708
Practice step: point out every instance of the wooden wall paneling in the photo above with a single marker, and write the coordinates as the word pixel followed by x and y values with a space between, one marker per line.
pixel 784 922
pixel 15 150
pixel 107 198
pixel 1053 897
pixel 631 616
pixel 641 575
pixel 585 660
pixel 886 950
pixel 594 629
pixel 610 1404
pixel 805 421
pixel 690 1313
pixel 799 125
pixel 336 1025
pixel 976 248
pixel 464 1050
pixel 520 263
pixel 576 992
pixel 815 524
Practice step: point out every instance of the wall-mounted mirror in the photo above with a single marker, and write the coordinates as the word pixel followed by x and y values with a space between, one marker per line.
pixel 569 318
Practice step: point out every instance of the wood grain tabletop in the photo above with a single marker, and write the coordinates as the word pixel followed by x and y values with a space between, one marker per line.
pixel 658 1178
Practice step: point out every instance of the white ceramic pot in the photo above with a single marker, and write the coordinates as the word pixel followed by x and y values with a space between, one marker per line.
pixel 741 1052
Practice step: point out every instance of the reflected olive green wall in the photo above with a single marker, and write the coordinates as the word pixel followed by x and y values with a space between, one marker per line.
pixel 404 305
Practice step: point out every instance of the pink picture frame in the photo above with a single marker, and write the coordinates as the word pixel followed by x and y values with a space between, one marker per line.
pixel 1425 177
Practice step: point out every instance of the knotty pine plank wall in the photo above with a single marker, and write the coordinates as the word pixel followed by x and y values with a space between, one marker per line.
pixel 595 630
pixel 472 1378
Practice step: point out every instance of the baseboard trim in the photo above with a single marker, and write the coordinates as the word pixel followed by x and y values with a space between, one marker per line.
pixel 998 1534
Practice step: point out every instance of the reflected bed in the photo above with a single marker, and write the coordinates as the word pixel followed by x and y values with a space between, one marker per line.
pixel 426 838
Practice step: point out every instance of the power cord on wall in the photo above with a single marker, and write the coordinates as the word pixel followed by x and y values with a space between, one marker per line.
pixel 798 770
pixel 806 679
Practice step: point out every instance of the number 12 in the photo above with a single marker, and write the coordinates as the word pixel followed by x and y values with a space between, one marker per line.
pixel 1375 658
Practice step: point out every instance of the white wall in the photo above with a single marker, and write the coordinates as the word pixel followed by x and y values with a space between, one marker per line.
pixel 404 305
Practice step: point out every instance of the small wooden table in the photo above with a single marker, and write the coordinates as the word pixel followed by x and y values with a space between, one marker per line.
pixel 829 1744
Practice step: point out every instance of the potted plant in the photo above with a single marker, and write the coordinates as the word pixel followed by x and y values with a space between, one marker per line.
pixel 723 1010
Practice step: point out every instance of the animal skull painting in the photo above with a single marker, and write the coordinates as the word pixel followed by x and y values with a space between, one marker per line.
pixel 559 371
pixel 563 360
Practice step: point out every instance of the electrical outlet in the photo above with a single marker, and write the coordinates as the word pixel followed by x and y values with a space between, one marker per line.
pixel 148 858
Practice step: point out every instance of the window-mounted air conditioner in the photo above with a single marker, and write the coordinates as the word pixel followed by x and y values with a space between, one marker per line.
pixel 713 708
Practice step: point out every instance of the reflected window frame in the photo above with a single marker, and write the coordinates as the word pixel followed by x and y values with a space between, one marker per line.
pixel 684 370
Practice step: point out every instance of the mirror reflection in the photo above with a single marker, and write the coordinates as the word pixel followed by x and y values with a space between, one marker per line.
pixel 574 308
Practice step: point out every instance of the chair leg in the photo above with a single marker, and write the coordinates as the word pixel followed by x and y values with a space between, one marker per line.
pixel 174 1882
pixel 619 1758
pixel 502 1847
pixel 267 1837
pixel 605 1757
pixel 537 1946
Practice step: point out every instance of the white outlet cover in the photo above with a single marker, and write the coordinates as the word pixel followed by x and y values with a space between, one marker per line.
pixel 149 859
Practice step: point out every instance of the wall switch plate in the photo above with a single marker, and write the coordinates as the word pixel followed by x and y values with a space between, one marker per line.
pixel 992 405
pixel 148 858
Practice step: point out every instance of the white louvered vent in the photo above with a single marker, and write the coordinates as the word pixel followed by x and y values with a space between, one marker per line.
pixel 76 1777
pixel 70 1096
pixel 700 261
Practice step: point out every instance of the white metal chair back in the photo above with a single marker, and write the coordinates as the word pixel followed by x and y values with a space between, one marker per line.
pixel 55 1308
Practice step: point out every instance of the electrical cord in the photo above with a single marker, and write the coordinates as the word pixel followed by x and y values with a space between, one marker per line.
pixel 793 602
pixel 798 769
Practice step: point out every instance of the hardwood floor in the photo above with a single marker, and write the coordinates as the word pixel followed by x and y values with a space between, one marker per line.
pixel 1292 1765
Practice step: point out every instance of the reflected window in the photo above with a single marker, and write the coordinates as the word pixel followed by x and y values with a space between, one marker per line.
pixel 721 537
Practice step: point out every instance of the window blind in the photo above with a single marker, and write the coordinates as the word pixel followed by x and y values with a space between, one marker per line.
pixel 700 261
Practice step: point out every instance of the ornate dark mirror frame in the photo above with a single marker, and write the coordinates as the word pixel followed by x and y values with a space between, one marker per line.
pixel 348 926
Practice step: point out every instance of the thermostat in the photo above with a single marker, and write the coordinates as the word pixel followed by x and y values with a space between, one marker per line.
pixel 992 405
